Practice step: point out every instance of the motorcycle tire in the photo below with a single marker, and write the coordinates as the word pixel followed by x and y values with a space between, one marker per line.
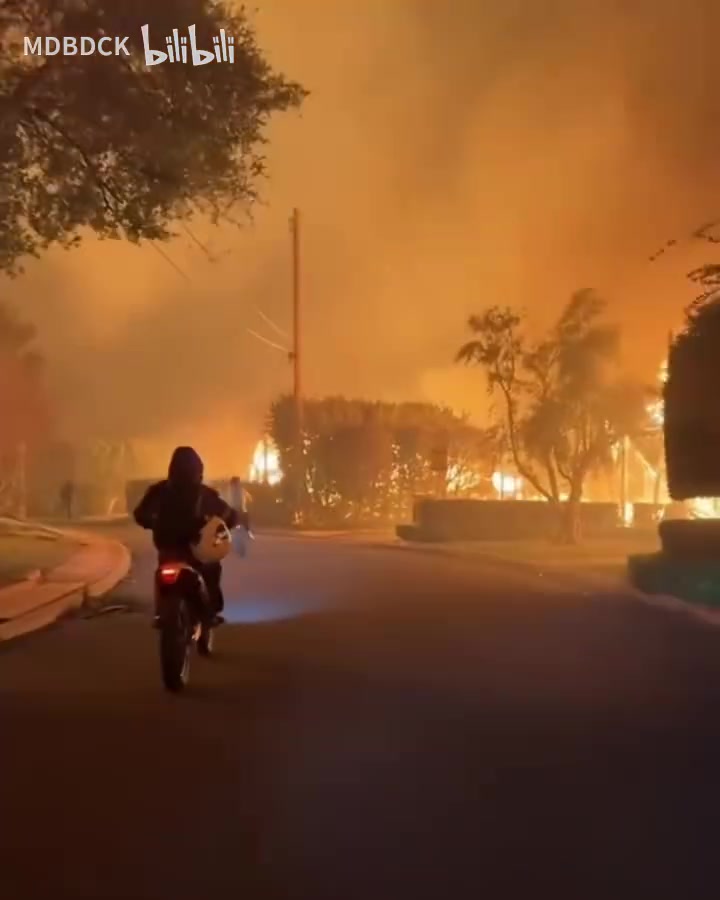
pixel 175 653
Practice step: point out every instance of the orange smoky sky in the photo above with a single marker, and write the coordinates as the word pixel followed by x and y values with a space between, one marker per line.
pixel 450 156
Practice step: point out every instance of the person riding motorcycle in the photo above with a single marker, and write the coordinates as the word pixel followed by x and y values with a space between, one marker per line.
pixel 175 510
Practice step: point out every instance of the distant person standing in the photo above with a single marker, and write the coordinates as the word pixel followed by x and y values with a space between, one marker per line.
pixel 67 498
pixel 239 500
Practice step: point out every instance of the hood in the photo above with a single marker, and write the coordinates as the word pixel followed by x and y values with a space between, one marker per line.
pixel 185 467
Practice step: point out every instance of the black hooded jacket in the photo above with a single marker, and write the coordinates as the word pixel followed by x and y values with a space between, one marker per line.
pixel 176 509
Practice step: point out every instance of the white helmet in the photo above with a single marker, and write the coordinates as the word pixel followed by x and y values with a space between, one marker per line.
pixel 214 542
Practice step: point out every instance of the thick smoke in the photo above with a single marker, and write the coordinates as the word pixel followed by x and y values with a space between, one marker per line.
pixel 451 156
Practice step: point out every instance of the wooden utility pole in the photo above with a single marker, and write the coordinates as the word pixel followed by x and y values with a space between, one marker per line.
pixel 296 357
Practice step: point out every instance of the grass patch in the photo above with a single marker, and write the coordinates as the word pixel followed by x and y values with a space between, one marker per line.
pixel 20 555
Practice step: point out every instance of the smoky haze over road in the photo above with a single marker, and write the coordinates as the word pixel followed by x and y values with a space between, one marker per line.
pixel 449 156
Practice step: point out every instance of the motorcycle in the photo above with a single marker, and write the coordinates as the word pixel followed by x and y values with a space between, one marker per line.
pixel 183 610
pixel 183 618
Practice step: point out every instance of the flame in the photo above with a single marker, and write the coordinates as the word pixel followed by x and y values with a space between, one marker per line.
pixel 459 479
pixel 656 409
pixel 266 464
pixel 628 514
pixel 703 508
pixel 506 485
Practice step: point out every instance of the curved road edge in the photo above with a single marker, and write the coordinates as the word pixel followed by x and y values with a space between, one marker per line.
pixel 90 573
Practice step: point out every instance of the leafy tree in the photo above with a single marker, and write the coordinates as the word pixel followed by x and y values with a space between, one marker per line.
pixel 366 461
pixel 473 456
pixel 707 276
pixel 691 422
pixel 361 468
pixel 109 144
pixel 564 403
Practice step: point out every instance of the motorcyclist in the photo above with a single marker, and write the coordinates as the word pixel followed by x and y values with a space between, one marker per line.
pixel 176 509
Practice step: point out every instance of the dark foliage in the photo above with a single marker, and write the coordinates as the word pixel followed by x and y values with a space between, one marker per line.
pixel 105 143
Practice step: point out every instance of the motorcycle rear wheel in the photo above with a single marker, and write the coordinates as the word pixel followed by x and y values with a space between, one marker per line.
pixel 175 651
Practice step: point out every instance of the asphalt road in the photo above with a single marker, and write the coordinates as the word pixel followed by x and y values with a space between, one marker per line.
pixel 379 725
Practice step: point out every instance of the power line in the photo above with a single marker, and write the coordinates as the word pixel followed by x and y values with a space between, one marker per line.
pixel 268 321
pixel 171 262
pixel 180 271
pixel 269 343
pixel 198 242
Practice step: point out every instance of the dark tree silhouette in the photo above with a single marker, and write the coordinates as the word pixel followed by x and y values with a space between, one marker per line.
pixel 108 144
pixel 564 401
pixel 692 411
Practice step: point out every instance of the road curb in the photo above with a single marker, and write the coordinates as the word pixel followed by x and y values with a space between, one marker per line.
pixel 112 561
pixel 702 615
pixel 70 598
pixel 111 579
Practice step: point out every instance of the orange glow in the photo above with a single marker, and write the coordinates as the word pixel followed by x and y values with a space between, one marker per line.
pixel 266 463
pixel 656 409
pixel 506 485
pixel 628 515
